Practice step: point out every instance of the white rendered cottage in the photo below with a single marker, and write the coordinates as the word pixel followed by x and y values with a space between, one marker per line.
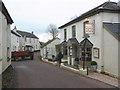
pixel 49 48
pixel 101 26
pixel 15 41
pixel 5 38
pixel 28 40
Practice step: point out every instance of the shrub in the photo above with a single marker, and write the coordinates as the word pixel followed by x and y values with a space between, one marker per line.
pixel 93 63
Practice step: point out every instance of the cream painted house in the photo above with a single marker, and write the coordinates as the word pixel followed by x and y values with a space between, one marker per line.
pixel 49 48
pixel 15 41
pixel 28 40
pixel 101 26
pixel 5 38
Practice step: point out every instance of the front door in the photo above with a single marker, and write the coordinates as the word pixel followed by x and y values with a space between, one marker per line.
pixel 70 55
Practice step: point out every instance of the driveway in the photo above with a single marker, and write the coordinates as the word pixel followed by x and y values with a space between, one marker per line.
pixel 37 74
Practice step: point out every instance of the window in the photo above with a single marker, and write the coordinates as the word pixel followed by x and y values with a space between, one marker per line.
pixel 65 34
pixel 17 40
pixel 73 31
pixel 15 48
pixel 30 40
pixel 36 46
pixel 8 54
pixel 34 40
pixel 25 39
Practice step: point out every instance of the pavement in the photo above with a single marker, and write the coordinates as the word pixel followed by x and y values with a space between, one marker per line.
pixel 94 75
pixel 38 74
pixel 104 78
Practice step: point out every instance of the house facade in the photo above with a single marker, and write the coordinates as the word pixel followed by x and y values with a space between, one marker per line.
pixel 15 41
pixel 28 40
pixel 91 31
pixel 5 38
pixel 49 48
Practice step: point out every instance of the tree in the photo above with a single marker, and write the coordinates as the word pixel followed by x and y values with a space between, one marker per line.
pixel 52 30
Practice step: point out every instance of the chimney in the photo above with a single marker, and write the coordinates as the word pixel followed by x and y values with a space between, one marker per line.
pixel 32 32
pixel 15 27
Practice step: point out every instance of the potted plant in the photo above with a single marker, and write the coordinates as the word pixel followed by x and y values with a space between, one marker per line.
pixel 94 66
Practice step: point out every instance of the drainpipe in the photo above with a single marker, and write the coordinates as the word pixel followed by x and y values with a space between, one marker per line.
pixel 84 56
pixel 102 49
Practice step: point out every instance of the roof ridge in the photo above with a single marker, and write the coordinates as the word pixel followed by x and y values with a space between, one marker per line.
pixel 28 34
pixel 104 7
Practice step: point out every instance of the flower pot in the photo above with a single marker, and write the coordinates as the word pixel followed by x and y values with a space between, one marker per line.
pixel 94 68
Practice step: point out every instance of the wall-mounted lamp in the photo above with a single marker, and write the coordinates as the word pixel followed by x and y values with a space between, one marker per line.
pixel 87 19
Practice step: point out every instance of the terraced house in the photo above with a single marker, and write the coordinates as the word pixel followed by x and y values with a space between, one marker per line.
pixel 15 41
pixel 27 40
pixel 5 40
pixel 94 36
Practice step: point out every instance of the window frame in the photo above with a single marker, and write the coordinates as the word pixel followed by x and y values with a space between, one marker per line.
pixel 74 31
pixel 65 34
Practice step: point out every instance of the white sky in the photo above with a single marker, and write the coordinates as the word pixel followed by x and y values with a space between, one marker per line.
pixel 36 15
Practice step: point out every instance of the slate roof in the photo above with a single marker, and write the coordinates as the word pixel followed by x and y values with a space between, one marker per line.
pixel 15 33
pixel 86 42
pixel 48 42
pixel 6 13
pixel 73 41
pixel 64 43
pixel 105 7
pixel 113 28
pixel 27 34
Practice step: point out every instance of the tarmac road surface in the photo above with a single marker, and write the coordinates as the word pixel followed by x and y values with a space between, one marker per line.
pixel 37 74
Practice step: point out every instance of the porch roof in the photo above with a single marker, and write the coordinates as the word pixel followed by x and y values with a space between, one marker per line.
pixel 113 28
pixel 72 41
pixel 86 42
pixel 64 43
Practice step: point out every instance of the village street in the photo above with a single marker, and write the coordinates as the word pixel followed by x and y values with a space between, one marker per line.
pixel 37 74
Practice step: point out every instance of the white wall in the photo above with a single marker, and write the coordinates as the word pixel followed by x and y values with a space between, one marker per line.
pixel 6 43
pixel 52 47
pixel 110 17
pixel 94 38
pixel 14 42
pixel 33 42
pixel 36 44
pixel 0 42
pixel 97 39
pixel 110 53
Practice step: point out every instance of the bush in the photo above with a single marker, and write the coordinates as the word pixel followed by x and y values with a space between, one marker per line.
pixel 93 63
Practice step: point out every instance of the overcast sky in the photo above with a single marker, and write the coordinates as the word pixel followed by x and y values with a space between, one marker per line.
pixel 36 15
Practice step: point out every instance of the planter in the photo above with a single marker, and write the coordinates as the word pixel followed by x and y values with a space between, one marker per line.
pixel 94 68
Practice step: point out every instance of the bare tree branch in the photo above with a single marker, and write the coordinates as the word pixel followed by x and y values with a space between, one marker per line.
pixel 52 30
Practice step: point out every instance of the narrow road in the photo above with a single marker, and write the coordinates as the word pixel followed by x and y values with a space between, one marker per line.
pixel 37 74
